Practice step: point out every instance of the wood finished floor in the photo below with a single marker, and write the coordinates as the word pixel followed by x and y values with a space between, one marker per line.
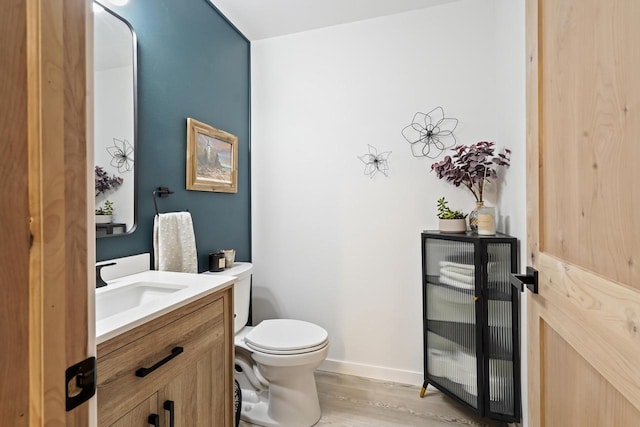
pixel 354 401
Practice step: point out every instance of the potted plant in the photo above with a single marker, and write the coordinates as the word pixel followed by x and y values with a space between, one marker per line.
pixel 104 213
pixel 450 221
pixel 472 166
pixel 103 184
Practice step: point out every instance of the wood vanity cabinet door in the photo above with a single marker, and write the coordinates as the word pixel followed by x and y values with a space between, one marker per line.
pixel 139 416
pixel 196 391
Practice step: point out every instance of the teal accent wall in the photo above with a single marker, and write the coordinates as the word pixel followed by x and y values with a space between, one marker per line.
pixel 191 63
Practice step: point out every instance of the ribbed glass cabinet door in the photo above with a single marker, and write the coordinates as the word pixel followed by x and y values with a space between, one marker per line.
pixel 500 315
pixel 451 317
pixel 470 315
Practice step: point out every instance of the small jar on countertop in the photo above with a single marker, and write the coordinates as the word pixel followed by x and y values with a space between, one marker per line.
pixel 216 262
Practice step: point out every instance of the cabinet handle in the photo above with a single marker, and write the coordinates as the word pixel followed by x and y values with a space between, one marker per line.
pixel 168 406
pixel 154 420
pixel 143 372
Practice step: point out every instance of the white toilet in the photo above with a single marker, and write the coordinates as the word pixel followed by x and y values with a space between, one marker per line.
pixel 275 362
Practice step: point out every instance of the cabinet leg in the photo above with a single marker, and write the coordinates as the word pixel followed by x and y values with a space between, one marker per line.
pixel 423 390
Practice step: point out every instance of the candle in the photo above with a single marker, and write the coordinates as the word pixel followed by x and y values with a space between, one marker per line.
pixel 487 221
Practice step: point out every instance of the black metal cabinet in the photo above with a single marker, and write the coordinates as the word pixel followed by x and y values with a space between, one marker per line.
pixel 471 319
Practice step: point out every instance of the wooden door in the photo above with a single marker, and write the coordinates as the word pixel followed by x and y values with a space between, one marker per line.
pixel 583 191
pixel 44 271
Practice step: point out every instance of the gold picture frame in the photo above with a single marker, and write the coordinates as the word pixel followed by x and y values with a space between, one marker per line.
pixel 212 158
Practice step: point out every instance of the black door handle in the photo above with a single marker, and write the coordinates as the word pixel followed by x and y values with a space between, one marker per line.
pixel 143 372
pixel 154 420
pixel 530 280
pixel 169 406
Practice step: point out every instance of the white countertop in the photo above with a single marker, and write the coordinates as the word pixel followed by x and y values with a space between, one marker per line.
pixel 195 286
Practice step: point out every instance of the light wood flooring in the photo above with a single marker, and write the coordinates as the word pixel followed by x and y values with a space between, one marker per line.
pixel 354 401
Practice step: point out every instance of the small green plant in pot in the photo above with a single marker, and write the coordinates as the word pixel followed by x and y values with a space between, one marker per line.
pixel 103 213
pixel 450 221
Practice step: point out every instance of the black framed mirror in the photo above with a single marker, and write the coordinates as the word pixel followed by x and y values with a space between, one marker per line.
pixel 115 122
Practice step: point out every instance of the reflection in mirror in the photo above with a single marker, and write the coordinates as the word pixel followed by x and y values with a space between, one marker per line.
pixel 114 122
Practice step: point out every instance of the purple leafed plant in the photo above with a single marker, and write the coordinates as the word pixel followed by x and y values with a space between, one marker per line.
pixel 472 166
pixel 104 182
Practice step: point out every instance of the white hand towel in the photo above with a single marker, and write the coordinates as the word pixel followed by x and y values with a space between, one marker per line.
pixel 174 243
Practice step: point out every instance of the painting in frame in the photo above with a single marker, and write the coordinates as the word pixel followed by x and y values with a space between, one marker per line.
pixel 212 158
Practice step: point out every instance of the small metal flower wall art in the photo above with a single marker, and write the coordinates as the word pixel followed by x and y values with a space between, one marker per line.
pixel 431 133
pixel 121 155
pixel 374 162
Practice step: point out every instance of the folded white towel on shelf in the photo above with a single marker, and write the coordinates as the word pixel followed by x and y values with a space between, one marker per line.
pixel 457 274
pixel 446 280
pixel 463 278
pixel 468 269
pixel 174 243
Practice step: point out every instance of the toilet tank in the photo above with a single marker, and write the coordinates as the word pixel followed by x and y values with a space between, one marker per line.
pixel 241 292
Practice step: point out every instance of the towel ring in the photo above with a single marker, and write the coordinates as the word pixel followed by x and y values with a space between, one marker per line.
pixel 160 192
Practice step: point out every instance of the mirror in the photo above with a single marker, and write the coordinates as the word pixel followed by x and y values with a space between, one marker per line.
pixel 115 122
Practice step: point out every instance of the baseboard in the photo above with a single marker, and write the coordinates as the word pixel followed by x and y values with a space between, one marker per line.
pixel 373 372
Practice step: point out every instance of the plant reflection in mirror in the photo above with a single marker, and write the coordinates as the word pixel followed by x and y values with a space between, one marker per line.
pixel 122 155
pixel 430 134
pixel 107 209
pixel 104 182
pixel 374 162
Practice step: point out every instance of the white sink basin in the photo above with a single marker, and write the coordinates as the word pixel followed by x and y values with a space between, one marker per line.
pixel 132 300
pixel 114 301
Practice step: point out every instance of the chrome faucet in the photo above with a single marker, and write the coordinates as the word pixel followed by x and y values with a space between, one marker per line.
pixel 99 280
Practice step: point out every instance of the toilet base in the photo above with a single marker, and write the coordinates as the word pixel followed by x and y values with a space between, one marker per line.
pixel 256 406
pixel 257 413
pixel 290 399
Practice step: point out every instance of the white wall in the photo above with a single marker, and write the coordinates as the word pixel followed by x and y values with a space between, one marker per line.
pixel 113 119
pixel 511 106
pixel 331 245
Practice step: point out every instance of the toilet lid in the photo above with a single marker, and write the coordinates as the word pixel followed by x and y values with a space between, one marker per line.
pixel 286 336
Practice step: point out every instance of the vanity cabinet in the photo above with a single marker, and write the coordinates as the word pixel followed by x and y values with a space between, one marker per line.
pixel 470 321
pixel 139 416
pixel 178 366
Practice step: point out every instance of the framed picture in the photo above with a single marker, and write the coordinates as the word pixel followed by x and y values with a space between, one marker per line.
pixel 212 158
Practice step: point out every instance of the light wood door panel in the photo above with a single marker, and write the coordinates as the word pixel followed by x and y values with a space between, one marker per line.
pixel 570 382
pixel 14 209
pixel 43 209
pixel 583 119
pixel 590 125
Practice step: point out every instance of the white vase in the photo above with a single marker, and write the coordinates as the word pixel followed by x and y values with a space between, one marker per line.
pixel 453 225
pixel 103 219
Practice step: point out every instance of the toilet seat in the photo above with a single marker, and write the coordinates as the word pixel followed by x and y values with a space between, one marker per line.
pixel 286 337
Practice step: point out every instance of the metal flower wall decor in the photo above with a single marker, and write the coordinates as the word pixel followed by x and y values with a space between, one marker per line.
pixel 431 133
pixel 121 155
pixel 374 162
